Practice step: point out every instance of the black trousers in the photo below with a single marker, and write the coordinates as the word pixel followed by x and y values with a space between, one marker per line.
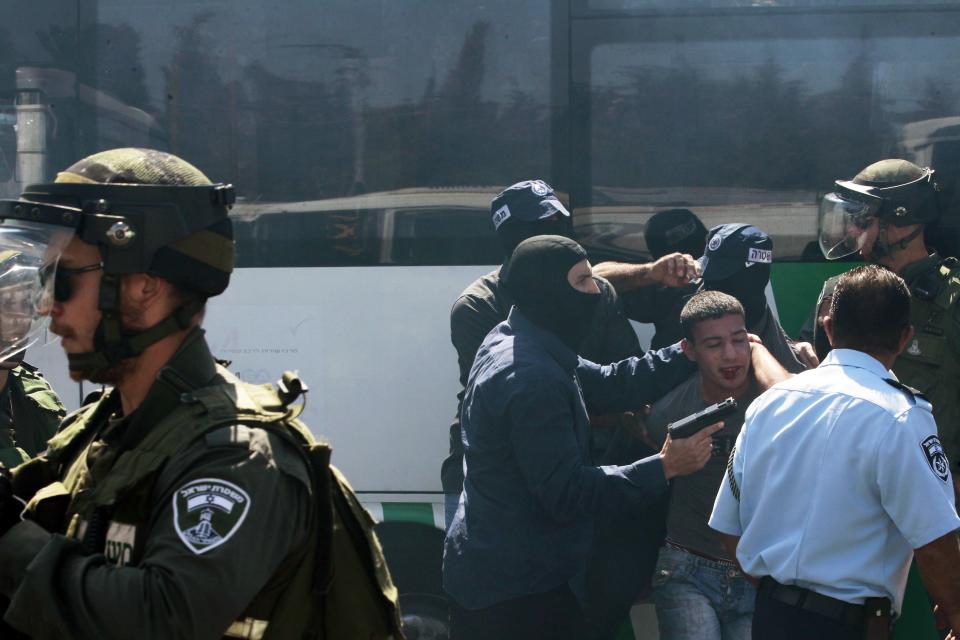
pixel 622 558
pixel 554 615
pixel 774 620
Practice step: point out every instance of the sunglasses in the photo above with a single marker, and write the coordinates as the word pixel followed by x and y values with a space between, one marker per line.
pixel 63 278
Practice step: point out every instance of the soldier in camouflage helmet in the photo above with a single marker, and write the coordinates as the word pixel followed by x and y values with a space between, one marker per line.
pixel 178 503
pixel 881 214
pixel 30 411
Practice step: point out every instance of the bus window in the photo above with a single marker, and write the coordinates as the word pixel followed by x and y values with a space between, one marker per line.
pixel 750 5
pixel 281 238
pixel 445 236
pixel 325 99
pixel 407 227
pixel 749 116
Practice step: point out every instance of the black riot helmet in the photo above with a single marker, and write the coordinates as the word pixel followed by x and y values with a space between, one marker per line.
pixel 147 212
pixel 895 192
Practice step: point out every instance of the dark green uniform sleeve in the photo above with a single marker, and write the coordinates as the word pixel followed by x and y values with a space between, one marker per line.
pixel 37 410
pixel 173 592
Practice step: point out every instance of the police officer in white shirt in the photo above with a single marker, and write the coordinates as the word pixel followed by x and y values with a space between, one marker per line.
pixel 838 478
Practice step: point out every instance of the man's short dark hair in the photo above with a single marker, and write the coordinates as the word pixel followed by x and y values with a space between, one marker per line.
pixel 870 309
pixel 707 305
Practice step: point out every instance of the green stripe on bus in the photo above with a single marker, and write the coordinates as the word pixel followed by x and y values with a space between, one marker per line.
pixel 626 631
pixel 419 512
pixel 916 620
pixel 796 287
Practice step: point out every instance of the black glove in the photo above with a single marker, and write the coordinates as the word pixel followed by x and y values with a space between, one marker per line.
pixel 11 507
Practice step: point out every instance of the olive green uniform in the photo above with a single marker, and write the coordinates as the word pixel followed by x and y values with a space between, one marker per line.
pixel 931 360
pixel 207 543
pixel 930 363
pixel 30 413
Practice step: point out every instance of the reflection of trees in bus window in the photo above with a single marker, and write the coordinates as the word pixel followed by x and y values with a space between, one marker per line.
pixel 201 109
pixel 114 66
pixel 740 129
pixel 752 125
pixel 635 5
pixel 347 97
pixel 8 120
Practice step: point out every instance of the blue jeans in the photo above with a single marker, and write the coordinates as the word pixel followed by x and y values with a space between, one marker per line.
pixel 701 599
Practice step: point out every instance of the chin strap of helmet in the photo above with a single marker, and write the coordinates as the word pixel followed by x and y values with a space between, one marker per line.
pixel 112 343
pixel 882 248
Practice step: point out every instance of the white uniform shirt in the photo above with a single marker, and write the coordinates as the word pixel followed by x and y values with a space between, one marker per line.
pixel 841 476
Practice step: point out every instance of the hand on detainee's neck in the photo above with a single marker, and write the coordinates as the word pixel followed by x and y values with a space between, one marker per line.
pixel 766 370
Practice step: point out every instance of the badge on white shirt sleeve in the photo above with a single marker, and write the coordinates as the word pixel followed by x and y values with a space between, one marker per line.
pixel 207 512
pixel 935 456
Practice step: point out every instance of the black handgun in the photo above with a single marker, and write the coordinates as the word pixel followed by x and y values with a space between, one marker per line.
pixel 693 423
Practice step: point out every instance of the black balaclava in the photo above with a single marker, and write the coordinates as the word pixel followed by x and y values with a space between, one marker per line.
pixel 748 286
pixel 513 232
pixel 536 276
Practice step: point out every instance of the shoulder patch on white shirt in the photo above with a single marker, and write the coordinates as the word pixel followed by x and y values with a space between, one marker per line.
pixel 935 457
pixel 207 512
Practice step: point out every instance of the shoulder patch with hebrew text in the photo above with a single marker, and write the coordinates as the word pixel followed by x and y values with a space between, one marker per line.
pixel 207 512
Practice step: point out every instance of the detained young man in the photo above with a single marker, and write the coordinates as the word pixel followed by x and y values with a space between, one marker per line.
pixel 697 590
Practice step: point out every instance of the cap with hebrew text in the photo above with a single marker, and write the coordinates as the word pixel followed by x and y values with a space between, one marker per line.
pixel 526 201
pixel 732 248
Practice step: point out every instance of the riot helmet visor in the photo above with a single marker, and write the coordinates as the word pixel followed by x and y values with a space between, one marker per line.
pixel 28 254
pixel 844 218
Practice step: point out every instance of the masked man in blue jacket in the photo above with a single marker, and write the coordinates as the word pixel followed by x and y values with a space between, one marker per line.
pixel 525 521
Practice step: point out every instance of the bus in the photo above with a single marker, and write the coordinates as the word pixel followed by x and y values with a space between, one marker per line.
pixel 367 137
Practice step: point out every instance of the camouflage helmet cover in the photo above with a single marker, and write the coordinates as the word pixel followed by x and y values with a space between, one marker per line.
pixel 200 260
pixel 908 191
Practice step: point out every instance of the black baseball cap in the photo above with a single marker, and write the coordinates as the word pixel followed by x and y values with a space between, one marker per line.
pixel 732 248
pixel 675 230
pixel 527 201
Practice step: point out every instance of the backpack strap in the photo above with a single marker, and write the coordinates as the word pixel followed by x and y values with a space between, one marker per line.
pixel 950 288
pixel 75 433
pixel 200 412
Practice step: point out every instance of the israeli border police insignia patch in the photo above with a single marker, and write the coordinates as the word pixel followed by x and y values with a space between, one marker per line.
pixel 934 451
pixel 207 512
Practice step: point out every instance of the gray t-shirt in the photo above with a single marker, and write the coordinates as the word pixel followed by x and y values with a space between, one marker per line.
pixel 692 496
